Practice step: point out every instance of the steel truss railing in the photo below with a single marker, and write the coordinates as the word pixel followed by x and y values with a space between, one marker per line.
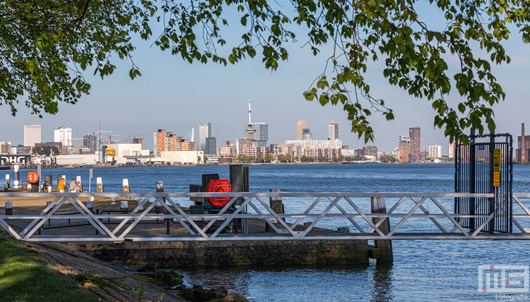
pixel 352 208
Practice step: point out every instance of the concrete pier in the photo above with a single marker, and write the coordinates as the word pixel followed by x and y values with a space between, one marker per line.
pixel 233 253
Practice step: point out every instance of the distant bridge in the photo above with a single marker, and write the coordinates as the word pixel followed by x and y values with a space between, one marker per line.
pixel 308 216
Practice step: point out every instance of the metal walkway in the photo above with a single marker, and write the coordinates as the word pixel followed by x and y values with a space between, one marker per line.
pixel 308 216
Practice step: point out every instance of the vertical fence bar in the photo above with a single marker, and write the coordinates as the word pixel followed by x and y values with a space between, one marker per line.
pixel 491 184
pixel 472 163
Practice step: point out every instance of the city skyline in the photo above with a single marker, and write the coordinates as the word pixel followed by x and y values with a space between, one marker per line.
pixel 333 129
pixel 172 94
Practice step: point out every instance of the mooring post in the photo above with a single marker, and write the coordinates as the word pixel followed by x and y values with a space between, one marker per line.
pixel 384 246
pixel 276 205
pixel 125 185
pixel 48 181
pixel 9 208
pixel 159 188
pixel 16 177
pixel 79 183
pixel 99 184
pixel 124 206
pixel 158 206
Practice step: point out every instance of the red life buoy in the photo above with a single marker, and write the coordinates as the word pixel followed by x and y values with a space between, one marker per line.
pixel 218 185
pixel 33 177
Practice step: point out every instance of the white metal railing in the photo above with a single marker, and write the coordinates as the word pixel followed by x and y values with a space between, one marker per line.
pixel 412 216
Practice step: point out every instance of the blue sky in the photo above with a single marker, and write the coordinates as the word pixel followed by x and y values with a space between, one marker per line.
pixel 174 95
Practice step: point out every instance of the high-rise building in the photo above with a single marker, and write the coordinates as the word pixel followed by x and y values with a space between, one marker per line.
pixel 32 135
pixel 164 141
pixel 167 141
pixel 300 126
pixel 434 151
pixel 333 131
pixel 91 142
pixel 306 134
pixel 523 147
pixel 5 147
pixel 63 135
pixel 451 150
pixel 404 149
pixel 415 144
pixel 205 131
pixel 211 146
pixel 259 133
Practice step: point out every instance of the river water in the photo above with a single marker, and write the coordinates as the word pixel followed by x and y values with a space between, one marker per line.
pixel 422 270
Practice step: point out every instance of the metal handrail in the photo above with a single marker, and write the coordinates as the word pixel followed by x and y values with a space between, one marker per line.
pixel 286 226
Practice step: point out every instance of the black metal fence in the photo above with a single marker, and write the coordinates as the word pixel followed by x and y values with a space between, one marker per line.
pixel 485 166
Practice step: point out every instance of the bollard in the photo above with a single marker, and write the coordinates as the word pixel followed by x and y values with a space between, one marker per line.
pixel 9 208
pixel 99 182
pixel 48 180
pixel 90 205
pixel 49 189
pixel 124 206
pixel 277 206
pixel 384 246
pixel 17 181
pixel 8 181
pixel 125 185
pixel 159 188
pixel 239 179
pixel 79 184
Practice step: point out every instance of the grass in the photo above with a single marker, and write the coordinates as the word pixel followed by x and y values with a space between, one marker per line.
pixel 24 276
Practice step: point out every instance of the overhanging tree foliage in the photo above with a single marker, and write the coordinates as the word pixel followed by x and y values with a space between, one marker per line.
pixel 47 45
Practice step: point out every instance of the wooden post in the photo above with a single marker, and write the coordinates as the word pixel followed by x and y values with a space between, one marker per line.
pixel 125 185
pixel 99 182
pixel 124 206
pixel 79 183
pixel 159 188
pixel 384 246
pixel 17 180
pixel 277 206
pixel 9 208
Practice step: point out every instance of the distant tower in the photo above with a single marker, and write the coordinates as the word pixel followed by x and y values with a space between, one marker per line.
pixel 300 126
pixel 451 150
pixel 91 142
pixel 63 135
pixel 333 131
pixel 250 129
pixel 32 135
pixel 415 144
pixel 523 145
pixel 404 149
pixel 205 131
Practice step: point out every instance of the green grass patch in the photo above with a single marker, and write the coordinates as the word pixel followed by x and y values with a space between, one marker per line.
pixel 24 276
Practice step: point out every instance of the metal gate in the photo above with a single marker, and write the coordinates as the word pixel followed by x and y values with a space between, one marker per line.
pixel 485 166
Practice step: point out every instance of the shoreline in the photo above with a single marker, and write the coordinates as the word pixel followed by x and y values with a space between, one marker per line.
pixel 32 167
